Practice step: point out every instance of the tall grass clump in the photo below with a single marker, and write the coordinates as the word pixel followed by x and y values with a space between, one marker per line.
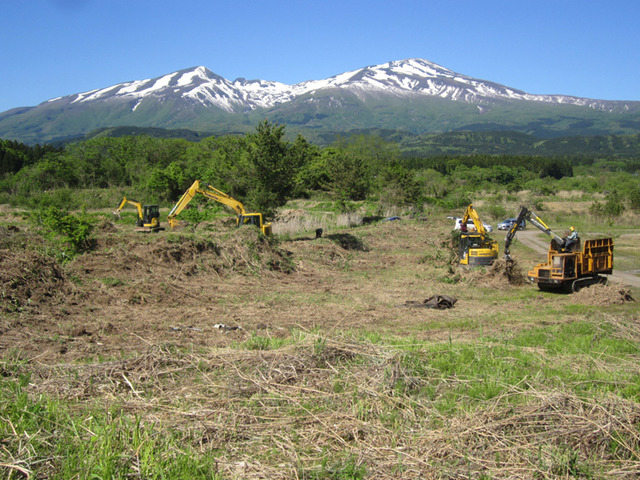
pixel 46 438
pixel 349 219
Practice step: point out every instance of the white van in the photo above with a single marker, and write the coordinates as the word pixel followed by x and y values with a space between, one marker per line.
pixel 470 225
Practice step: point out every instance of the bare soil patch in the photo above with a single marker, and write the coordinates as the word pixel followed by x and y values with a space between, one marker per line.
pixel 131 292
pixel 29 280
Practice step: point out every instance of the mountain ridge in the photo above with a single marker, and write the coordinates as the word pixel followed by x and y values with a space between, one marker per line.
pixel 432 144
pixel 427 96
pixel 404 76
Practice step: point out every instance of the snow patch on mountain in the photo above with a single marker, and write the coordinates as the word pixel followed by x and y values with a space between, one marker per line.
pixel 410 77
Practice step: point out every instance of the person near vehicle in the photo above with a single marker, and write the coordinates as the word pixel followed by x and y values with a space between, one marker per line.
pixel 571 239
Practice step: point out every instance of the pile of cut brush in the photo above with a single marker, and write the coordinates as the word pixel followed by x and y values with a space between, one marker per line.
pixel 603 295
pixel 247 250
pixel 503 272
pixel 28 279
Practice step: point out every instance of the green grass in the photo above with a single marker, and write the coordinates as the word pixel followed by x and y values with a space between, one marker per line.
pixel 585 357
pixel 111 281
pixel 577 338
pixel 418 384
pixel 260 342
pixel 335 468
pixel 57 440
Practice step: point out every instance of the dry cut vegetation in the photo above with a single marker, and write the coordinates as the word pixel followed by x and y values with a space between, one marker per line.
pixel 250 358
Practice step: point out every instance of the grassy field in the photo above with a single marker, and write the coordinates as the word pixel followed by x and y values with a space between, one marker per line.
pixel 217 354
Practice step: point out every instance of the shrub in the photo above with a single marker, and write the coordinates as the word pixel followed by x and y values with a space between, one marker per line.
pixel 496 211
pixel 610 209
pixel 72 230
pixel 634 199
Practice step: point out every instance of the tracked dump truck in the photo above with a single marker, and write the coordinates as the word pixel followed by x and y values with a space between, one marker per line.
pixel 567 268
pixel 571 271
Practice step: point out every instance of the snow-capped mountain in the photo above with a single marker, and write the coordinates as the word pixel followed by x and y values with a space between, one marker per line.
pixel 199 85
pixel 401 78
pixel 414 95
pixel 421 77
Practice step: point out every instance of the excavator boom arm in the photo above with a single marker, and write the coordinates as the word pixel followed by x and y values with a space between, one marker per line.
pixel 470 213
pixel 531 217
pixel 184 200
pixel 215 194
pixel 124 202
pixel 207 191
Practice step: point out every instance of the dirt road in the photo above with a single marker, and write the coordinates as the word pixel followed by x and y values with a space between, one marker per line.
pixel 532 239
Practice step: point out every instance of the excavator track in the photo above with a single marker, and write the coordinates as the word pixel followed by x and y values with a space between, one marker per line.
pixel 581 283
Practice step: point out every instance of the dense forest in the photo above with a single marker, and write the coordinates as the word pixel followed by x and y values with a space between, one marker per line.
pixel 265 170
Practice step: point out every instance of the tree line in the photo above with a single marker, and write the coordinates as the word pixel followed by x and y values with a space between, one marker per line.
pixel 264 170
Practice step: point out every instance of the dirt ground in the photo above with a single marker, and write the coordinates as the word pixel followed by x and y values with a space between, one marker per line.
pixel 137 290
pixel 121 309
pixel 133 291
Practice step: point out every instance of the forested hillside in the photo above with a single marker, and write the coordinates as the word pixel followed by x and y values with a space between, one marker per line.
pixel 484 141
pixel 265 170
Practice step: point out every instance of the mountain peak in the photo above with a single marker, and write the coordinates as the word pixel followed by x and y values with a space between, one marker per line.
pixel 394 94
pixel 412 76
pixel 416 66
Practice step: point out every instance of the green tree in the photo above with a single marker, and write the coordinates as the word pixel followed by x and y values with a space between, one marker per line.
pixel 399 186
pixel 303 154
pixel 15 155
pixel 372 149
pixel 348 175
pixel 222 162
pixel 52 171
pixel 275 166
pixel 556 169
pixel 610 209
pixel 313 174
pixel 71 229
pixel 168 182
pixel 634 198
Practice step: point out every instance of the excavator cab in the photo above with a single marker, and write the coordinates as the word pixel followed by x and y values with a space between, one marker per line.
pixel 250 219
pixel 151 215
pixel 476 250
pixel 254 219
pixel 150 220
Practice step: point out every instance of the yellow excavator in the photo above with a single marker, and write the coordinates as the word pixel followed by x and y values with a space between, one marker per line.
pixel 148 215
pixel 212 193
pixel 475 247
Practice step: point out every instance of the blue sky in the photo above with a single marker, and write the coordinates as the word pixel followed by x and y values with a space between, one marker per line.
pixel 51 48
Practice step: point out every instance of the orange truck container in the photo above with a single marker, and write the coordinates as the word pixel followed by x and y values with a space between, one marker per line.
pixel 571 271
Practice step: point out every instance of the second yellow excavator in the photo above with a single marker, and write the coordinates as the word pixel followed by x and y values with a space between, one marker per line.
pixel 475 247
pixel 148 215
pixel 212 193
